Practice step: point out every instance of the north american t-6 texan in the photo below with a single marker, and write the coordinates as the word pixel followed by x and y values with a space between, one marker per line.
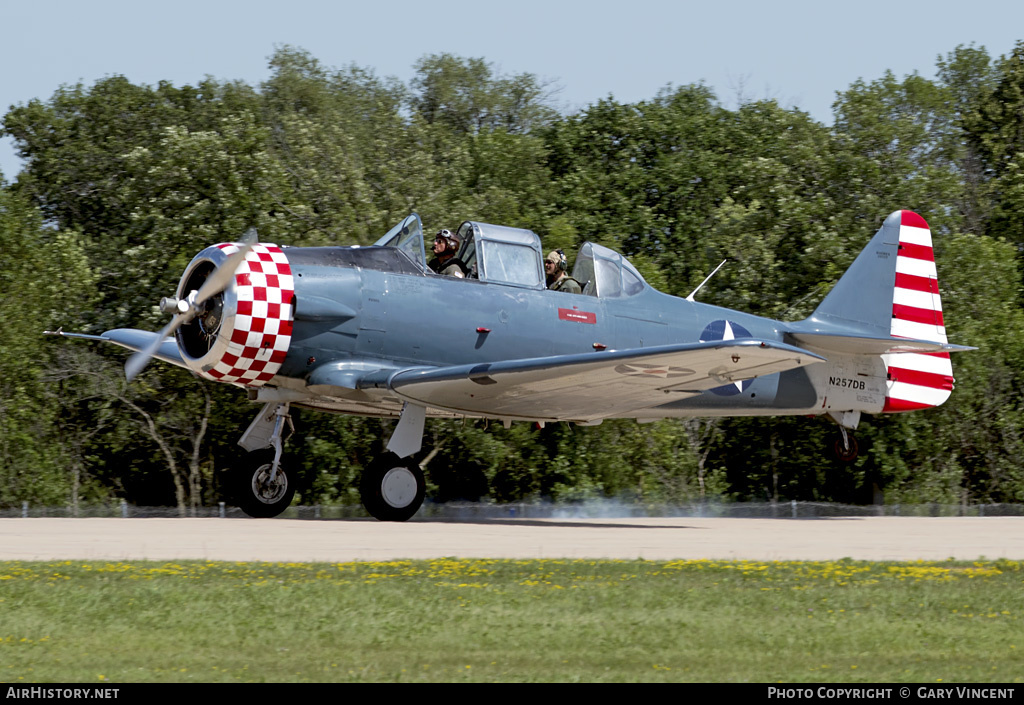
pixel 352 330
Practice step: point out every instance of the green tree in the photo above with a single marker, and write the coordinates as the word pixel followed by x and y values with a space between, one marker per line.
pixel 467 97
pixel 995 132
pixel 969 76
pixel 43 274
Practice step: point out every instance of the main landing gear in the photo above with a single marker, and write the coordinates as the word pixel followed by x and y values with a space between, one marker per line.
pixel 392 487
pixel 261 486
pixel 262 489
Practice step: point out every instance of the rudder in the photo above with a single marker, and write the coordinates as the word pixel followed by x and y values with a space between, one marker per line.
pixel 916 380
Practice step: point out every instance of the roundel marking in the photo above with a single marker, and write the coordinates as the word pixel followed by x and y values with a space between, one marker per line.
pixel 726 330
pixel 661 371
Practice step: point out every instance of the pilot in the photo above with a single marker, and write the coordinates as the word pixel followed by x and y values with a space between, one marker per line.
pixel 555 266
pixel 446 246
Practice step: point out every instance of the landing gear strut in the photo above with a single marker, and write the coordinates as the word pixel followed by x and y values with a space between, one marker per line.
pixel 845 445
pixel 261 486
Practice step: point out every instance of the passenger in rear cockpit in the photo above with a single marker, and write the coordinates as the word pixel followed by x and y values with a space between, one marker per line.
pixel 555 266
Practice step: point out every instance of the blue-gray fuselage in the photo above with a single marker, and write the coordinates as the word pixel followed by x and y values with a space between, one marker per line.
pixel 387 309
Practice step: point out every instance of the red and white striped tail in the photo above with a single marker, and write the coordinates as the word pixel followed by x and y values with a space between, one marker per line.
pixel 916 380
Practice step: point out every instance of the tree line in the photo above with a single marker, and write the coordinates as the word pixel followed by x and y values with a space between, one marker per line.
pixel 122 184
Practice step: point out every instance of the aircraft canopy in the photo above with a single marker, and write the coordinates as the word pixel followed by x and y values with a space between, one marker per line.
pixel 503 255
pixel 605 273
pixel 514 257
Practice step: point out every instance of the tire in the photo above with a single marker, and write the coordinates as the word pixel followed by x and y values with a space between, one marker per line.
pixel 844 454
pixel 252 493
pixel 392 489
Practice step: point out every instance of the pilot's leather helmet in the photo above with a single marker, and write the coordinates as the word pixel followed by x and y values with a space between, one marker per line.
pixel 448 237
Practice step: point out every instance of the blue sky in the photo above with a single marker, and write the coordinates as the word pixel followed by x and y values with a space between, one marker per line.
pixel 799 52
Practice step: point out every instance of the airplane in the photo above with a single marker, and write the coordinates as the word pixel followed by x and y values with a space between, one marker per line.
pixel 356 330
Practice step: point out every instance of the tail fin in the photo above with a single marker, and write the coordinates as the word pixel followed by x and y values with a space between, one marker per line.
pixel 916 380
pixel 891 291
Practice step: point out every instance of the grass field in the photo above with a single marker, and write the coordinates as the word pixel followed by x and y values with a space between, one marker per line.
pixel 510 620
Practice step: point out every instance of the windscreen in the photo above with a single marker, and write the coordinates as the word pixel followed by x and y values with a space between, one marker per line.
pixel 407 236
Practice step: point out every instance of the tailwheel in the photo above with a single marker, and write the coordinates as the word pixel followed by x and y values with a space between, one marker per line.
pixel 392 489
pixel 845 447
pixel 259 491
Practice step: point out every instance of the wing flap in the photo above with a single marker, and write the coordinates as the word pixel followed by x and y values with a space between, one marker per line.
pixel 595 385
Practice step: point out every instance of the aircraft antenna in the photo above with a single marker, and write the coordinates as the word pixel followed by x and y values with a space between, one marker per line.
pixel 694 292
pixel 797 303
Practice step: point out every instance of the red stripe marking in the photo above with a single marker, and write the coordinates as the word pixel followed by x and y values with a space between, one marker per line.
pixel 913 219
pixel 932 380
pixel 894 406
pixel 914 283
pixel 571 314
pixel 909 249
pixel 917 315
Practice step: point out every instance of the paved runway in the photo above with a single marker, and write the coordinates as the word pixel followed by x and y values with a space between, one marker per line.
pixel 865 538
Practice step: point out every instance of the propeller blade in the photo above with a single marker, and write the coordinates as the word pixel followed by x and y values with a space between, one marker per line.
pixel 137 362
pixel 214 284
pixel 222 276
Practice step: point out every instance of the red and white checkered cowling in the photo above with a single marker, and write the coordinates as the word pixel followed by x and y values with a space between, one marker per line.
pixel 257 316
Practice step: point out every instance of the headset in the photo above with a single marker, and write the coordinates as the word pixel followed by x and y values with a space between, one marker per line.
pixel 563 263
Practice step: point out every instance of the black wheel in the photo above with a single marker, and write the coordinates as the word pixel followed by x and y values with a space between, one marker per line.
pixel 255 494
pixel 392 489
pixel 846 452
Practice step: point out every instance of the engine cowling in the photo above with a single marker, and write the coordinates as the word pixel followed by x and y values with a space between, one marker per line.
pixel 242 334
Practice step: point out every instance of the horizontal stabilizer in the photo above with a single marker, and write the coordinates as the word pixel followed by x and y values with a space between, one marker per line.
pixel 865 345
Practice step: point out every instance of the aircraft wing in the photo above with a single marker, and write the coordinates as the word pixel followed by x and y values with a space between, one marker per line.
pixel 595 385
pixel 133 340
